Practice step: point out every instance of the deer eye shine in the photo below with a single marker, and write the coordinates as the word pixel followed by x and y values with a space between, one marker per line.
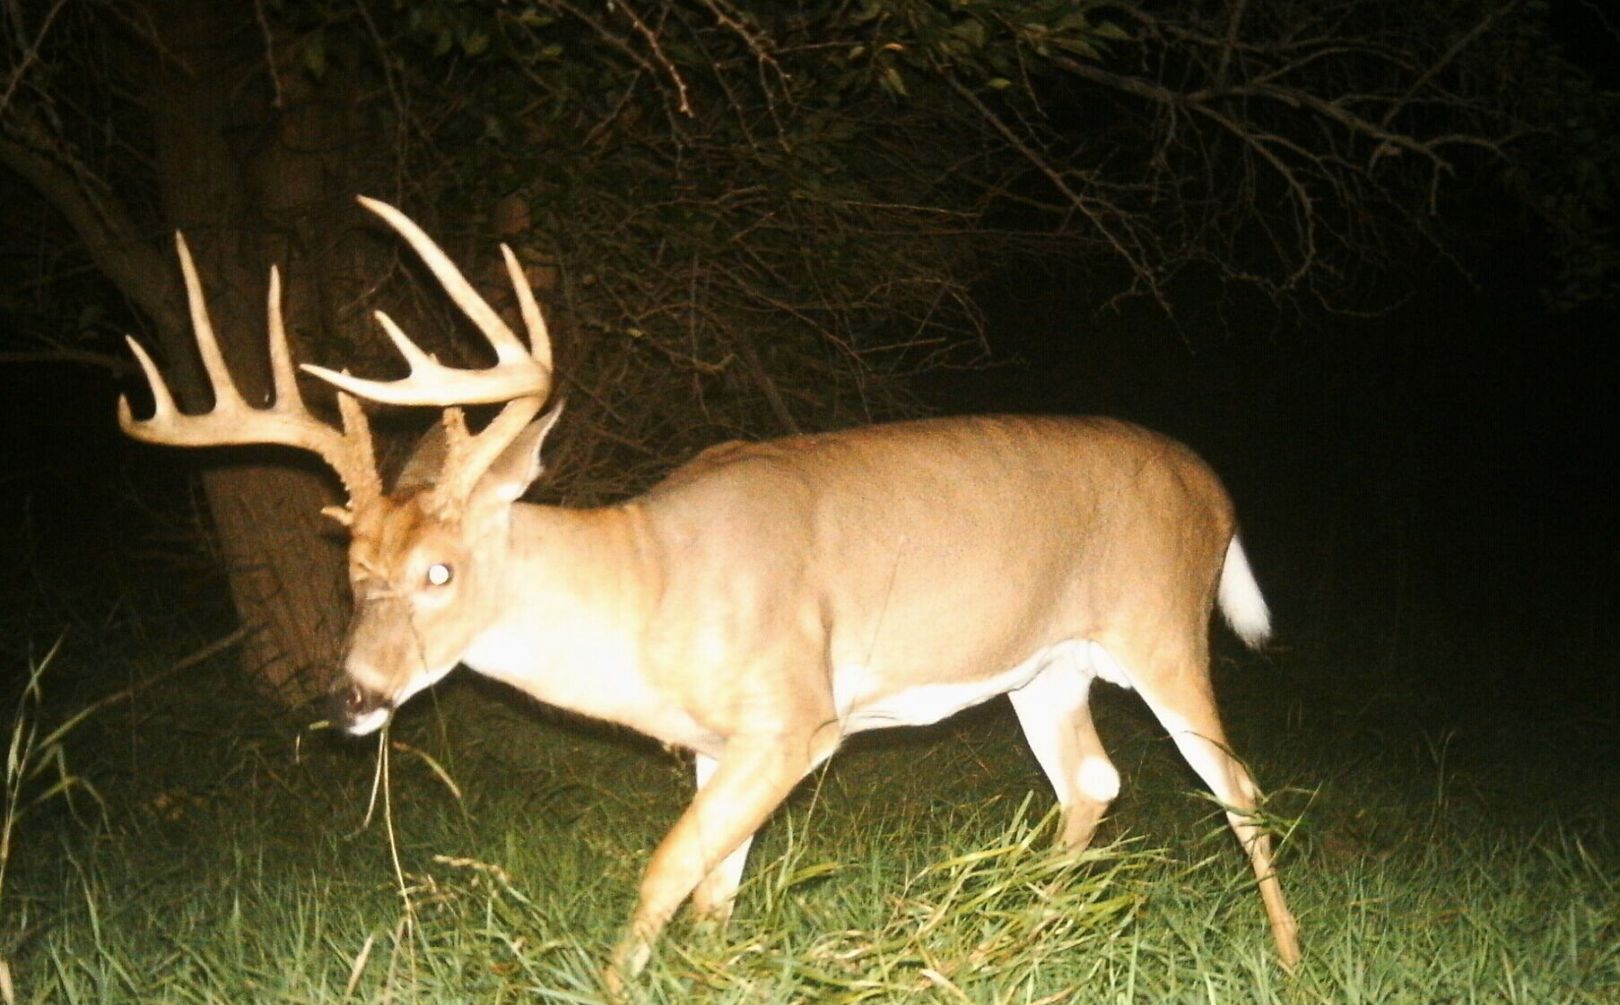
pixel 439 574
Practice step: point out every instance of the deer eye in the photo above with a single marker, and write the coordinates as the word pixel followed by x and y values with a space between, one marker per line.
pixel 439 574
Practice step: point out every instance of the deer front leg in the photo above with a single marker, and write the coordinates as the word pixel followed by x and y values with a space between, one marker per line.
pixel 751 779
pixel 718 890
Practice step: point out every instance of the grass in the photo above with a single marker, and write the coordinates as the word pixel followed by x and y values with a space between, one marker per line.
pixel 227 859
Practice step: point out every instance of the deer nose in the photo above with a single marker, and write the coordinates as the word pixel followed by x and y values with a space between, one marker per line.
pixel 359 711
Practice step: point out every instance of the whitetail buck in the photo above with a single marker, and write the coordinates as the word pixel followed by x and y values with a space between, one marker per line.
pixel 769 599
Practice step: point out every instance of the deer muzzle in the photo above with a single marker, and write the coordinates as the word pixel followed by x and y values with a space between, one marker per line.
pixel 358 711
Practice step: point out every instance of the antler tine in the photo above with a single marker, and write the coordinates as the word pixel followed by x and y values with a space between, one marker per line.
pixel 283 379
pixel 519 372
pixel 226 396
pixel 349 452
pixel 162 401
pixel 232 421
pixel 539 336
pixel 168 424
pixel 467 457
pixel 432 383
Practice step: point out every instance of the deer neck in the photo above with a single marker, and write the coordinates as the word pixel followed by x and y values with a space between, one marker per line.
pixel 575 591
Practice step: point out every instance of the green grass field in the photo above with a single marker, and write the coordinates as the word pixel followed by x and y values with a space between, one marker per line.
pixel 1449 837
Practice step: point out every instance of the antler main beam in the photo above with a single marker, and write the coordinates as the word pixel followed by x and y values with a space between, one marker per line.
pixel 518 372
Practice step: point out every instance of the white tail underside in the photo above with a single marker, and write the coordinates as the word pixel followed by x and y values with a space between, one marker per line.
pixel 1241 603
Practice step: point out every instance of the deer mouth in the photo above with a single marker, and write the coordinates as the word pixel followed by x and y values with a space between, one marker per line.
pixel 359 712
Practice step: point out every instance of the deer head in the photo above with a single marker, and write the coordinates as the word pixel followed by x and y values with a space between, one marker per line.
pixel 424 560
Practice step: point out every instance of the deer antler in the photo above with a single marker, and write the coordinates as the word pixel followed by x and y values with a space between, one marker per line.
pixel 232 421
pixel 521 376
pixel 517 372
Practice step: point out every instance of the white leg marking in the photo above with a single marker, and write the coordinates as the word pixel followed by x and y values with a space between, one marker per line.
pixel 1098 780
pixel 1104 665
pixel 1219 769
pixel 1045 706
pixel 1052 710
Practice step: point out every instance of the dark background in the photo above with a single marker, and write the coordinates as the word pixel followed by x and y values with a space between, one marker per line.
pixel 1427 491
pixel 1451 460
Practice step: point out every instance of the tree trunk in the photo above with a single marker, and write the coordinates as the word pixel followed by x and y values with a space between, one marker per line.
pixel 286 574
pixel 283 560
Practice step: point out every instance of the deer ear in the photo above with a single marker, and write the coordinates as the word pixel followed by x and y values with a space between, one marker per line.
pixel 426 461
pixel 519 464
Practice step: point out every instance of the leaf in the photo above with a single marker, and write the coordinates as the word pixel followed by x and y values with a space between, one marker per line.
pixel 893 82
pixel 1110 31
pixel 315 55
pixel 1081 46
pixel 971 32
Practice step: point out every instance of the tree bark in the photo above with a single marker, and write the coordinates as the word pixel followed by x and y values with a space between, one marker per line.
pixel 283 562
pixel 286 575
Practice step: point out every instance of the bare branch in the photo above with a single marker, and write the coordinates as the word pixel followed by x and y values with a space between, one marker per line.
pixel 108 234
pixel 683 105
pixel 118 366
pixel 1091 210
pixel 26 50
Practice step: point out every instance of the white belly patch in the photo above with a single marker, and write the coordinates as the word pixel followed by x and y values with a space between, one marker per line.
pixel 863 703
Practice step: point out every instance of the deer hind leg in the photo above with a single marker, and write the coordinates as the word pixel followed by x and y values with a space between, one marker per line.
pixel 1055 713
pixel 715 895
pixel 1179 693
